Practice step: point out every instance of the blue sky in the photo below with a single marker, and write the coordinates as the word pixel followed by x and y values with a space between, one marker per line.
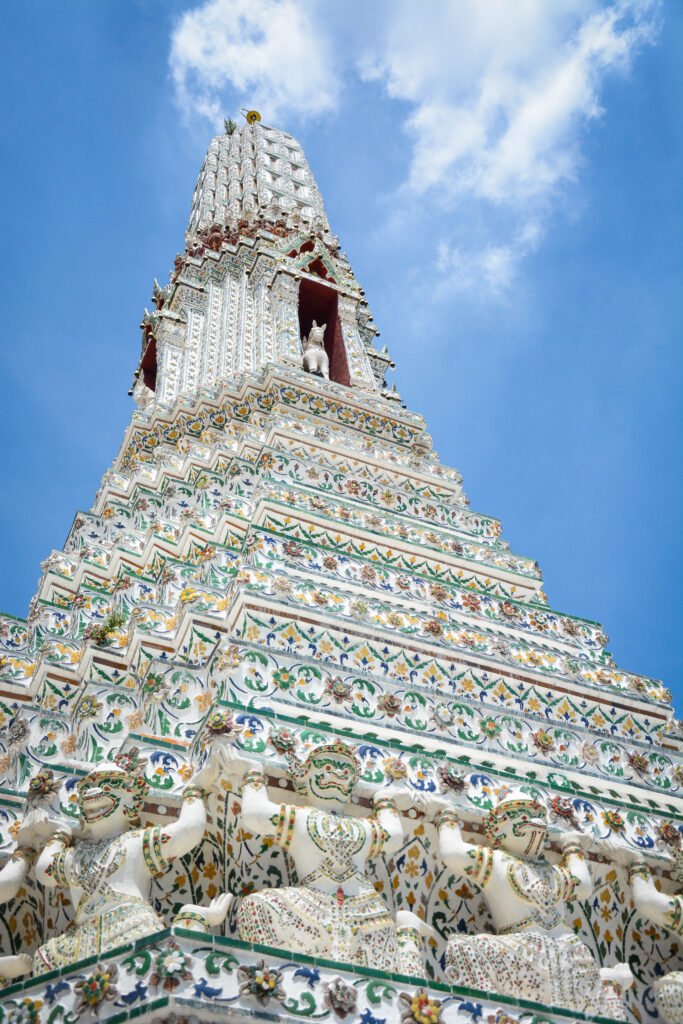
pixel 506 180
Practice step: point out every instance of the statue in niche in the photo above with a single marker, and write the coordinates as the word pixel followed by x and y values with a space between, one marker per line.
pixel 534 954
pixel 666 910
pixel 315 357
pixel 142 395
pixel 334 911
pixel 108 864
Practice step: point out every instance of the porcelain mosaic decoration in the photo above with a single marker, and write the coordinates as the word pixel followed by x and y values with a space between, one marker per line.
pixel 289 731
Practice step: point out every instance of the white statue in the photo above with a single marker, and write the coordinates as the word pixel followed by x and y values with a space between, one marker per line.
pixel 315 357
pixel 108 865
pixel 667 911
pixel 534 954
pixel 142 395
pixel 36 827
pixel 334 911
pixel 12 877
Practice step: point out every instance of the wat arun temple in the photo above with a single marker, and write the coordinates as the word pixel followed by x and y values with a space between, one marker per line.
pixel 289 733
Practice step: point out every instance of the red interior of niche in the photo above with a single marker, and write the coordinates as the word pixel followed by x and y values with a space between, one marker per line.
pixel 306 247
pixel 318 268
pixel 148 366
pixel 319 302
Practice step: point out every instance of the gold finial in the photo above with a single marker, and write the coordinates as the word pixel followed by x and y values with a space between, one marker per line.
pixel 251 116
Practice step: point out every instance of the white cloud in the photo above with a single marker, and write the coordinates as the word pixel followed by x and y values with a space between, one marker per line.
pixel 492 269
pixel 499 93
pixel 268 51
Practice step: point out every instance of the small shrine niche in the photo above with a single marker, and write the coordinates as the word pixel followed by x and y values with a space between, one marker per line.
pixel 319 302
pixel 148 365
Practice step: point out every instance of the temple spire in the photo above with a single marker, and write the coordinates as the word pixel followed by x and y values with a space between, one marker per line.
pixel 260 266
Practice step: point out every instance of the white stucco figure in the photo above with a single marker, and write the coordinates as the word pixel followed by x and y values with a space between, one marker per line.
pixel 334 911
pixel 411 932
pixel 202 919
pixel 107 866
pixel 315 357
pixel 12 877
pixel 534 954
pixel 665 910
pixel 142 395
pixel 34 830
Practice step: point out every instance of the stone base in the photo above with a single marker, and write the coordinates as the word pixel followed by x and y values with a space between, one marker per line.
pixel 552 971
pixel 179 975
